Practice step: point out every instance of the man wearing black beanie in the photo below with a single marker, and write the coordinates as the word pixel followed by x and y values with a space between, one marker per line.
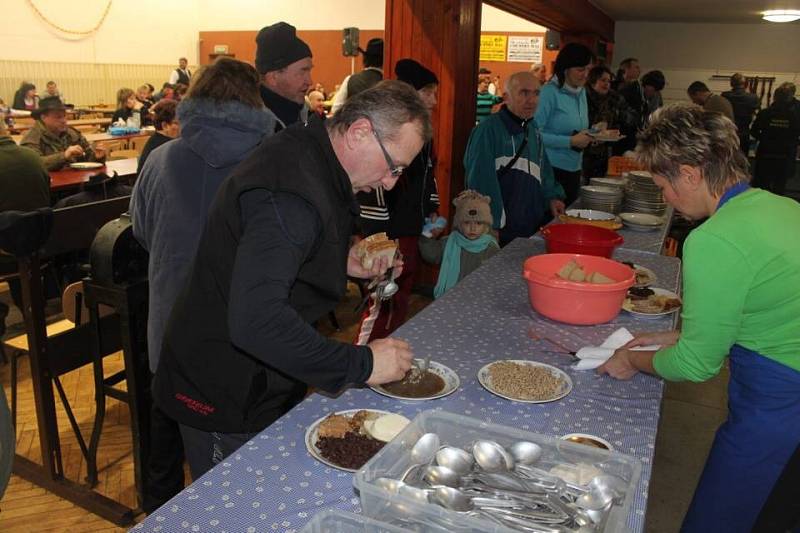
pixel 284 62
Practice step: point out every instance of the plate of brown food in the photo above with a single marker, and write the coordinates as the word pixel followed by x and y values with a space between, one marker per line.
pixel 436 382
pixel 348 439
pixel 651 302
pixel 525 381
pixel 644 276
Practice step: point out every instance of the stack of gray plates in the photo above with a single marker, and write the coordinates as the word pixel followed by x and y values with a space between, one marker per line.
pixel 608 199
pixel 642 195
pixel 609 182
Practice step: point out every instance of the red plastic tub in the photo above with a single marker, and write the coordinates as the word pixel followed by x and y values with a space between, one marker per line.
pixel 574 302
pixel 580 239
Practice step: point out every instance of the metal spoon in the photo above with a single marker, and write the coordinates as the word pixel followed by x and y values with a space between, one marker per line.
pixel 415 493
pixel 525 453
pixel 441 476
pixel 422 453
pixel 492 457
pixel 453 499
pixel 389 484
pixel 455 459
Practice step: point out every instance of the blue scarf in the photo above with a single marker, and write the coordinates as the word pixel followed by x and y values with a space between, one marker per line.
pixel 450 268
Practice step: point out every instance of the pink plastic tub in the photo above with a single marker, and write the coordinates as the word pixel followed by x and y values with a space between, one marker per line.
pixel 573 302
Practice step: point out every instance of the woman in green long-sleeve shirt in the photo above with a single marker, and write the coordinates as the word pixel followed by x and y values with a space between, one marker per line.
pixel 741 301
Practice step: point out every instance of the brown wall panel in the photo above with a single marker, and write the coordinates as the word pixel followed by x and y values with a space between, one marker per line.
pixel 330 66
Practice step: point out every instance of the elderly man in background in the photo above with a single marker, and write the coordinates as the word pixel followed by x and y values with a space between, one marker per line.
pixel 505 160
pixel 539 70
pixel 316 103
pixel 52 90
pixel 56 142
pixel 745 105
pixel 284 62
pixel 627 84
pixel 274 257
pixel 701 95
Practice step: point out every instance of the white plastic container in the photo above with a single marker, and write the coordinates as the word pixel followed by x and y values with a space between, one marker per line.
pixel 335 521
pixel 462 431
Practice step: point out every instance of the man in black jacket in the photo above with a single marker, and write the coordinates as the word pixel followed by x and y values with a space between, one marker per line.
pixel 745 105
pixel 239 349
pixel 777 129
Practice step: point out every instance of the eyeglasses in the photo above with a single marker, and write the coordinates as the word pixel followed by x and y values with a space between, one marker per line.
pixel 394 170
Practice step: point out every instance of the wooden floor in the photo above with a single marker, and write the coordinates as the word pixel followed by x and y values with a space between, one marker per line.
pixel 27 508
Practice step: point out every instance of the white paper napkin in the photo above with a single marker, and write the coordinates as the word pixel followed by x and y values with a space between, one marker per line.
pixel 593 356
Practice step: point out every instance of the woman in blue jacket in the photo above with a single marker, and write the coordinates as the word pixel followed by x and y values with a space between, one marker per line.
pixel 563 117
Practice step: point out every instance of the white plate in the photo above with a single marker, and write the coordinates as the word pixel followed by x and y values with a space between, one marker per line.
pixel 312 434
pixel 626 305
pixel 641 219
pixel 451 383
pixel 485 379
pixel 590 214
pixel 644 271
pixel 85 166
pixel 607 138
pixel 595 438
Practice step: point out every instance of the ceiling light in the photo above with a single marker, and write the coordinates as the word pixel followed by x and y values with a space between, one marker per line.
pixel 781 15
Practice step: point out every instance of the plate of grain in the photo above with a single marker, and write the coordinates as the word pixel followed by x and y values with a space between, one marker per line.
pixel 524 381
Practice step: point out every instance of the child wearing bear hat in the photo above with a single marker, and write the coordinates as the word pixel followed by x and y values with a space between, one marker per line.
pixel 468 245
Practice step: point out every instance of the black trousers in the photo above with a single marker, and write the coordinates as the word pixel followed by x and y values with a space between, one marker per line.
pixel 781 512
pixel 204 449
pixel 772 174
pixel 164 476
pixel 571 181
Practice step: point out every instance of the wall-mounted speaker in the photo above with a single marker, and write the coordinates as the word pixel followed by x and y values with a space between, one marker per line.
pixel 552 40
pixel 350 42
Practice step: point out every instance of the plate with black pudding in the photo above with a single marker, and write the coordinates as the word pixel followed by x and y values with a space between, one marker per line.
pixel 651 302
pixel 436 382
pixel 348 439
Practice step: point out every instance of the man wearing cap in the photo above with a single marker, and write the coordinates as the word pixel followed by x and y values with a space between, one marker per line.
pixel 284 62
pixel 401 213
pixel 56 142
pixel 371 75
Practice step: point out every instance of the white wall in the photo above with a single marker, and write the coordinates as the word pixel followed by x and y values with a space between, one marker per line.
pixel 688 52
pixel 493 19
pixel 134 32
pixel 223 15
pixel 158 32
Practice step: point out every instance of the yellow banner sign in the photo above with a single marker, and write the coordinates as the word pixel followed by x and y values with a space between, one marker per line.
pixel 493 47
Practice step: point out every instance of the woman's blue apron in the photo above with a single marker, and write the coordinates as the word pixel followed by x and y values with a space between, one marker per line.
pixel 754 444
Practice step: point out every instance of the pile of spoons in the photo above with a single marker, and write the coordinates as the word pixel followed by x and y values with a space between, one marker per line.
pixel 505 486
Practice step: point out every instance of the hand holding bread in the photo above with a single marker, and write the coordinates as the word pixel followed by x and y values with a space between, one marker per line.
pixel 372 256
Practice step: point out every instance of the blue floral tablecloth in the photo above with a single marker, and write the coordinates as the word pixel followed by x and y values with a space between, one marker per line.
pixel 273 484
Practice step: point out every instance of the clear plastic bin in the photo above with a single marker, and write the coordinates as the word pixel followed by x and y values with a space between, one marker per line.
pixel 462 431
pixel 336 521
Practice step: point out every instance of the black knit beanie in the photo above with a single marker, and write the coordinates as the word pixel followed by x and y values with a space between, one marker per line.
pixel 278 46
pixel 414 74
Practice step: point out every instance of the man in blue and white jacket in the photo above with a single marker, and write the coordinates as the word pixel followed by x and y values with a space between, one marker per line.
pixel 505 160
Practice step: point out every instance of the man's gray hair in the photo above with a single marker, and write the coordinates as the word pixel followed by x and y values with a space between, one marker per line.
pixel 686 134
pixel 388 105
pixel 517 77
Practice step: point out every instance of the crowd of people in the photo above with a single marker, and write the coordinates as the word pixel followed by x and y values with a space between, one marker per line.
pixel 251 201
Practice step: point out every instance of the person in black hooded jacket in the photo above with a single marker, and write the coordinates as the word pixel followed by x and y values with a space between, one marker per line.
pixel 401 213
pixel 777 129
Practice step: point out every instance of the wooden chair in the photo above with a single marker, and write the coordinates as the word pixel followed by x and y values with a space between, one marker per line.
pixel 137 143
pixel 89 128
pixel 111 146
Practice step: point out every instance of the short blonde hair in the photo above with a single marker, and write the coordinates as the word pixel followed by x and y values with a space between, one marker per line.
pixel 686 134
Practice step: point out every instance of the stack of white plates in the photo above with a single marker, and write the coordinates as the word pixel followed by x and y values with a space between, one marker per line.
pixel 608 182
pixel 608 199
pixel 642 195
pixel 641 221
